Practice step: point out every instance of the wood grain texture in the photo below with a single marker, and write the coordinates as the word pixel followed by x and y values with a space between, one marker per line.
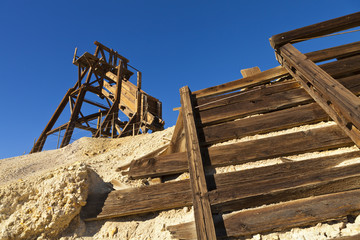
pixel 282 216
pixel 315 30
pixel 273 121
pixel 336 100
pixel 278 146
pixel 269 98
pixel 258 79
pixel 202 210
pixel 311 177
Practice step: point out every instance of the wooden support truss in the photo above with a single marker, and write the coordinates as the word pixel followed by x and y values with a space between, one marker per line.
pixel 104 75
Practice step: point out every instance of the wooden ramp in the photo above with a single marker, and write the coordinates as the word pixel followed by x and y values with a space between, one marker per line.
pixel 301 193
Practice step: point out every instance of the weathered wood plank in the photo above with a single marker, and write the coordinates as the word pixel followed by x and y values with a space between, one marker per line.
pixel 178 194
pixel 278 146
pixel 283 145
pixel 177 142
pixel 277 72
pixel 336 100
pixel 315 30
pixel 280 170
pixel 272 189
pixel 250 71
pixel 282 216
pixel 334 52
pixel 258 79
pixel 273 121
pixel 270 98
pixel 145 199
pixel 202 211
pixel 336 69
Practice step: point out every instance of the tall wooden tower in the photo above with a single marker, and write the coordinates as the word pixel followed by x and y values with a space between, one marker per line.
pixel 105 74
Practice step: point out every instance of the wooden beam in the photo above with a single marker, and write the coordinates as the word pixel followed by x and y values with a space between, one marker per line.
pixel 74 116
pixel 316 30
pixel 278 72
pixel 96 104
pixel 250 71
pixel 110 50
pixel 203 217
pixel 336 100
pixel 258 79
pixel 334 52
pixel 38 146
pixel 274 121
pixel 322 138
pixel 282 216
pixel 56 130
pixel 145 199
pixel 268 98
pixel 311 177
pixel 114 109
pixel 177 142
pixel 283 186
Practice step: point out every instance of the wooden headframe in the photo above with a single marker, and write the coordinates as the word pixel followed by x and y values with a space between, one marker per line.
pixel 106 74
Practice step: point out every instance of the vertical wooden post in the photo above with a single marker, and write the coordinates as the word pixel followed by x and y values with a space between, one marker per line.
pixel 202 210
pixel 57 146
pixel 113 126
pixel 138 80
pixel 115 106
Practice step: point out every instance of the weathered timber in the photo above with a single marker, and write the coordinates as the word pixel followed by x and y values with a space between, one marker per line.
pixel 280 170
pixel 74 116
pixel 334 52
pixel 178 194
pixel 336 69
pixel 102 71
pixel 250 71
pixel 250 95
pixel 266 103
pixel 273 121
pixel 272 189
pixel 274 73
pixel 146 199
pixel 258 79
pixel 177 142
pixel 282 216
pixel 316 30
pixel 202 211
pixel 270 98
pixel 38 146
pixel 336 100
pixel 322 138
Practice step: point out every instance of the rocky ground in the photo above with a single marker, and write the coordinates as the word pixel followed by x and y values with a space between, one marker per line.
pixel 41 194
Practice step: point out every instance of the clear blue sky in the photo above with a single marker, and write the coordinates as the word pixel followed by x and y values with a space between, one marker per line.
pixel 174 43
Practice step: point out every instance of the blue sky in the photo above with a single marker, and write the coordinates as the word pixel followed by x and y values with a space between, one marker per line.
pixel 173 43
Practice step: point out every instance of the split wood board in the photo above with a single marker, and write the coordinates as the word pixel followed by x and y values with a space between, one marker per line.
pixel 270 99
pixel 275 73
pixel 322 138
pixel 316 30
pixel 242 189
pixel 202 211
pixel 280 217
pixel 273 121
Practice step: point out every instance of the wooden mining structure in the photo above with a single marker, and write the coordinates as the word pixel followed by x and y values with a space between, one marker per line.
pixel 106 74
pixel 303 90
